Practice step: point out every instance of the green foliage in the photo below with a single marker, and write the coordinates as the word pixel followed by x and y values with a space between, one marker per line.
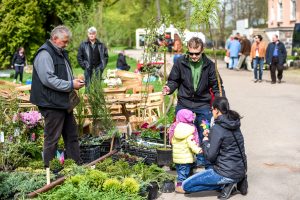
pixel 20 25
pixel 150 133
pixel 104 165
pixel 120 24
pixel 32 150
pixel 38 164
pixel 68 191
pixel 95 178
pixel 76 180
pixel 26 23
pixel 205 12
pixel 112 184
pixel 81 111
pixel 296 50
pixel 12 155
pixel 18 184
pixel 55 164
pixel 100 113
pixel 219 52
pixel 130 185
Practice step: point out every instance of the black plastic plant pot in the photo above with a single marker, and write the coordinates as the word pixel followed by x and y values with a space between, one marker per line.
pixel 168 186
pixel 164 157
pixel 153 191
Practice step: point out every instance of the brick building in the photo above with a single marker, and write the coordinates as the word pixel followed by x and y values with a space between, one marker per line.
pixel 282 16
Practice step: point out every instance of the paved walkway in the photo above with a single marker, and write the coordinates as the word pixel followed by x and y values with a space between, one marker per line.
pixel 271 127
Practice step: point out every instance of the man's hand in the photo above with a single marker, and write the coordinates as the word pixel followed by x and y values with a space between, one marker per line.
pixel 78 83
pixel 166 90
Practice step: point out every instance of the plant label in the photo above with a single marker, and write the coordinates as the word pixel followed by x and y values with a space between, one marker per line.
pixel 17 132
pixel 2 136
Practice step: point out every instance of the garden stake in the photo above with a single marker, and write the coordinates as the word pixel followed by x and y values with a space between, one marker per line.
pixel 164 100
pixel 112 142
pixel 48 175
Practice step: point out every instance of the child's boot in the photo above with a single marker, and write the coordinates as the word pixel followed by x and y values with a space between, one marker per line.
pixel 179 188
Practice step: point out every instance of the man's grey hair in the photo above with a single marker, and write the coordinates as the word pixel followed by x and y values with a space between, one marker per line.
pixel 60 32
pixel 92 30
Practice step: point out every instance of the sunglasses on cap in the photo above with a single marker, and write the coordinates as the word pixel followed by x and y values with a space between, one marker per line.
pixel 194 53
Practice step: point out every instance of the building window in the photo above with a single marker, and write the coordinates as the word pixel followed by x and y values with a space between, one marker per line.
pixel 279 11
pixel 293 9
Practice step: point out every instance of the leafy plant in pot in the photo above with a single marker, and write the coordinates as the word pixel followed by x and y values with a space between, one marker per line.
pixel 55 165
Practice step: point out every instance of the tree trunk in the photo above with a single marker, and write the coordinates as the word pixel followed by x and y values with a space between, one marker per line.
pixel 157 3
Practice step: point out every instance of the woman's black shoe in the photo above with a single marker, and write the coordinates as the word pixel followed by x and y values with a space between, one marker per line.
pixel 227 190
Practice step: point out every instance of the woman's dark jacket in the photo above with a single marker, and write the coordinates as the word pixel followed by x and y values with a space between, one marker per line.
pixel 281 53
pixel 222 151
pixel 17 59
pixel 181 78
pixel 84 57
pixel 121 62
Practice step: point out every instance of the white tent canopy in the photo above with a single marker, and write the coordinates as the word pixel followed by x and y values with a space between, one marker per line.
pixel 187 35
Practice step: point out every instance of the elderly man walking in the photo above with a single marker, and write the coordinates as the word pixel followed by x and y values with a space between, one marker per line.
pixel 276 57
pixel 92 56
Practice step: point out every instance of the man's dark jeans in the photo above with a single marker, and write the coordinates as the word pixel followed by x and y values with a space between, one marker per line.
pixel 89 73
pixel 275 65
pixel 57 123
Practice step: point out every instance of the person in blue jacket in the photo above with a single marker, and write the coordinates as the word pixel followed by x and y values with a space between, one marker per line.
pixel 275 58
pixel 234 49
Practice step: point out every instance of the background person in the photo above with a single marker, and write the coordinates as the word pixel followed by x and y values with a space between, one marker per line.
pixel 275 58
pixel 121 61
pixel 257 54
pixel 92 56
pixel 177 48
pixel 245 53
pixel 18 62
pixel 193 75
pixel 220 147
pixel 52 84
pixel 234 49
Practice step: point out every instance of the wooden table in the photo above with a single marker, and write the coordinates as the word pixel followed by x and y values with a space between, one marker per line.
pixel 113 91
pixel 123 102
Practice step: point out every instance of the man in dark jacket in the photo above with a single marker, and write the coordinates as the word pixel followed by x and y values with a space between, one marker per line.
pixel 52 84
pixel 275 58
pixel 92 56
pixel 193 75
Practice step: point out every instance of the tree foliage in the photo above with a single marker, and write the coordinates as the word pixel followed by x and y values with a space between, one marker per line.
pixel 28 23
pixel 20 25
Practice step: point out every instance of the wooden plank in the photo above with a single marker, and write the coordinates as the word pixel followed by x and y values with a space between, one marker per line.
pixel 23 88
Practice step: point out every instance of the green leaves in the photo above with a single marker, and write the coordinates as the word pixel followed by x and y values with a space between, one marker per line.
pixel 205 11
pixel 20 25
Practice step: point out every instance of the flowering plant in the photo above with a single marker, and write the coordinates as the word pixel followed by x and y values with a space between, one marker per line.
pixel 30 119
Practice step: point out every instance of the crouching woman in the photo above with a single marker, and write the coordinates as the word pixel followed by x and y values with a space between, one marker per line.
pixel 223 146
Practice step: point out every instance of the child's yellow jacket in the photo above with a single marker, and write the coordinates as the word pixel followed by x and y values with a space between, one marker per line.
pixel 184 147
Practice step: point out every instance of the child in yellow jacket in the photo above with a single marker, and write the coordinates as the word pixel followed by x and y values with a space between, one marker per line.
pixel 185 143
